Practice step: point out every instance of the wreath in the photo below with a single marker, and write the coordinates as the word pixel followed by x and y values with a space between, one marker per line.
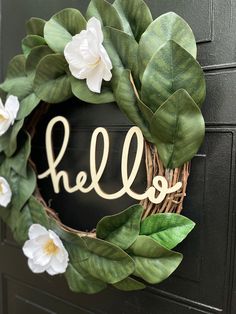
pixel 118 53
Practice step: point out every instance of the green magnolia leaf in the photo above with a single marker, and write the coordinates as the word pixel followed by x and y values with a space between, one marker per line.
pixel 129 284
pixel 34 58
pixel 105 13
pixel 106 261
pixel 30 42
pixel 153 262
pixel 135 16
pixel 123 228
pixel 35 26
pixel 173 68
pixel 178 129
pixel 167 229
pixel 122 49
pixel 19 161
pixel 81 282
pixel 58 31
pixel 128 103
pixel 81 91
pixel 8 141
pixel 32 213
pixel 17 83
pixel 167 27
pixel 51 82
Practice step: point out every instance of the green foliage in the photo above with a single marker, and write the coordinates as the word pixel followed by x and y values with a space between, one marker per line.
pixel 30 42
pixel 178 129
pixel 35 26
pixel 58 31
pixel 167 229
pixel 121 229
pixel 129 284
pixel 135 16
pixel 153 262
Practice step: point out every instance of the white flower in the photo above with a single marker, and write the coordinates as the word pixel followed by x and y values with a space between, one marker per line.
pixel 45 251
pixel 8 113
pixel 5 192
pixel 87 57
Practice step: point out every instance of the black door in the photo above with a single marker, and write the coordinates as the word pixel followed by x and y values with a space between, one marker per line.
pixel 206 280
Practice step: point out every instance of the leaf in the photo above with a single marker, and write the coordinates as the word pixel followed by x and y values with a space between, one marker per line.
pixel 135 16
pixel 58 31
pixel 35 26
pixel 167 27
pixel 32 213
pixel 81 282
pixel 167 229
pixel 82 92
pixel 105 13
pixel 129 284
pixel 18 84
pixel 153 262
pixel 34 58
pixel 121 229
pixel 170 69
pixel 178 129
pixel 51 82
pixel 8 141
pixel 122 49
pixel 106 261
pixel 127 103
pixel 30 42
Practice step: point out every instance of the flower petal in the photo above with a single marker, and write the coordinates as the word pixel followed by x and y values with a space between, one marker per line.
pixel 35 268
pixel 94 25
pixel 29 248
pixel 94 78
pixel 5 193
pixel 12 105
pixel 37 230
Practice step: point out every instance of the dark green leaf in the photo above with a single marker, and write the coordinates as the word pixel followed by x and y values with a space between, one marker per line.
pixel 170 69
pixel 81 282
pixel 178 129
pixel 35 26
pixel 135 16
pixel 121 229
pixel 167 229
pixel 30 42
pixel 104 12
pixel 51 82
pixel 58 31
pixel 106 261
pixel 153 262
pixel 129 284
pixel 167 27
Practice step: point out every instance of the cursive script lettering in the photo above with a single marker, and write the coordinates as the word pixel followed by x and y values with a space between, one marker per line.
pixel 159 183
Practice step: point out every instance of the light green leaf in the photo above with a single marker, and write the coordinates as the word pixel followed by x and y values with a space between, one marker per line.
pixel 106 261
pixel 167 229
pixel 30 42
pixel 153 262
pixel 121 229
pixel 135 16
pixel 178 129
pixel 58 31
pixel 81 91
pixel 170 69
pixel 27 105
pixel 129 284
pixel 128 103
pixel 167 27
pixel 35 26
pixel 51 82
pixel 105 13
pixel 81 282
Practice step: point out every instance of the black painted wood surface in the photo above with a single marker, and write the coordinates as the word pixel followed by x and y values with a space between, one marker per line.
pixel 206 280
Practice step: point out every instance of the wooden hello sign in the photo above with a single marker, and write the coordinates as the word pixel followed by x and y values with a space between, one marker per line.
pixel 156 193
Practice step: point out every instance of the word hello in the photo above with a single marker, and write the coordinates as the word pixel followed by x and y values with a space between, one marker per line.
pixel 156 193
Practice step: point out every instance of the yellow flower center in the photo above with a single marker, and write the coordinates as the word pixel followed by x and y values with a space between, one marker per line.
pixel 1 188
pixel 2 118
pixel 50 248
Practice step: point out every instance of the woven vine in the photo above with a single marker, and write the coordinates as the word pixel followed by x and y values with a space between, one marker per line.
pixel 158 84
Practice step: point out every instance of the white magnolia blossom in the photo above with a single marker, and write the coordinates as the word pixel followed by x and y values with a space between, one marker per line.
pixel 87 57
pixel 45 251
pixel 5 192
pixel 8 113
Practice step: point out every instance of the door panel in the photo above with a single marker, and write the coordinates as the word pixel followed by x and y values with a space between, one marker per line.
pixel 205 282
